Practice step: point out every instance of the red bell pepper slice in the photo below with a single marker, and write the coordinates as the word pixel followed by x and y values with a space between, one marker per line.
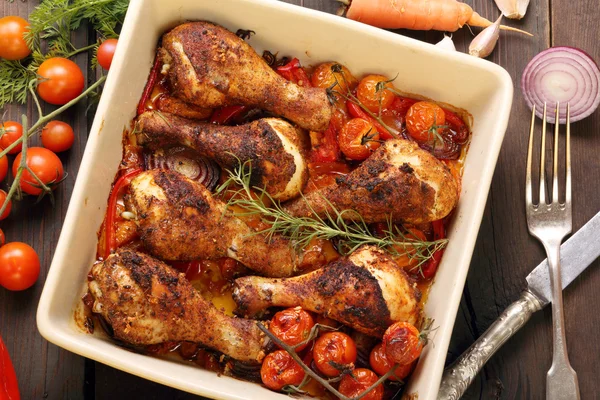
pixel 357 112
pixel 293 72
pixel 109 229
pixel 402 104
pixel 149 85
pixel 9 388
pixel 224 115
pixel 329 149
pixel 430 267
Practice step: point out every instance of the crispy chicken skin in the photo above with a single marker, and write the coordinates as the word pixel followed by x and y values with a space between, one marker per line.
pixel 179 219
pixel 173 105
pixel 399 180
pixel 209 66
pixel 275 148
pixel 366 290
pixel 147 302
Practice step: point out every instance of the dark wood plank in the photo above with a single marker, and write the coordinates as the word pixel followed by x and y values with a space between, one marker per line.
pixel 43 369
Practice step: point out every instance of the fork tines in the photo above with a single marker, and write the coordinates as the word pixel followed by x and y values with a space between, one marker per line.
pixel 542 174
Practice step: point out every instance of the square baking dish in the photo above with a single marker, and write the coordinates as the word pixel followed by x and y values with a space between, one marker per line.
pixel 482 88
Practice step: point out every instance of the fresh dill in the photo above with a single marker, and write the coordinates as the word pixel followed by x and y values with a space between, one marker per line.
pixel 335 224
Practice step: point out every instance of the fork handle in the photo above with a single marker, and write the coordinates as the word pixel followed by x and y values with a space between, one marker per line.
pixel 459 376
pixel 561 381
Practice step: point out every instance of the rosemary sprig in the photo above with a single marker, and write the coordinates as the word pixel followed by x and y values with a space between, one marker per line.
pixel 325 382
pixel 302 230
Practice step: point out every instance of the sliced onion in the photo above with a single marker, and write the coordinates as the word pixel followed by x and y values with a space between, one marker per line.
pixel 565 75
pixel 187 162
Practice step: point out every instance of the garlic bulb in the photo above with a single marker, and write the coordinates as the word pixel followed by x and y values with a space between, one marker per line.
pixel 514 9
pixel 446 43
pixel 484 43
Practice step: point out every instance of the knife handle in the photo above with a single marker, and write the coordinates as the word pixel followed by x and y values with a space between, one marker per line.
pixel 458 377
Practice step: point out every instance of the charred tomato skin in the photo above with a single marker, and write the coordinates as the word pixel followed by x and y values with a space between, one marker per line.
pixel 292 326
pixel 354 384
pixel 402 343
pixel 334 352
pixel 279 369
pixel 381 364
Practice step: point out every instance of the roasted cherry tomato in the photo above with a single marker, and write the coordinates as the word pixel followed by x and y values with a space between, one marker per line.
pixel 422 119
pixel 61 80
pixel 12 132
pixel 292 326
pixel 381 364
pixel 354 384
pixel 334 352
pixel 2 238
pixel 3 167
pixel 6 212
pixel 45 165
pixel 279 369
pixel 19 266
pixel 335 76
pixel 106 52
pixel 57 136
pixel 12 43
pixel 372 93
pixel 358 139
pixel 402 343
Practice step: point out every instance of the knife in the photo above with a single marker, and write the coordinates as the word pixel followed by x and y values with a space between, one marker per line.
pixel 576 254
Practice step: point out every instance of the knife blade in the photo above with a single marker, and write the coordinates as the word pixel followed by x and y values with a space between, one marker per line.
pixel 576 254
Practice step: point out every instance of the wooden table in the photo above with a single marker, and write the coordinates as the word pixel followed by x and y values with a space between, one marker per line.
pixel 504 254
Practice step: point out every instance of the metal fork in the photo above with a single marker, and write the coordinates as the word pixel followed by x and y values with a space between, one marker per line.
pixel 550 222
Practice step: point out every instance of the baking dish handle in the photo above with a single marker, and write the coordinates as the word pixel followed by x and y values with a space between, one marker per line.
pixel 458 376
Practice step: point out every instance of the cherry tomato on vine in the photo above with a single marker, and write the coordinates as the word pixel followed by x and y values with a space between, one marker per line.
pixel 334 352
pixel 3 167
pixel 12 132
pixel 279 369
pixel 353 385
pixel 368 93
pixel 381 364
pixel 8 208
pixel 57 136
pixel 422 118
pixel 45 165
pixel 292 326
pixel 328 74
pixel 61 80
pixel 358 139
pixel 402 343
pixel 19 266
pixel 2 238
pixel 106 52
pixel 12 43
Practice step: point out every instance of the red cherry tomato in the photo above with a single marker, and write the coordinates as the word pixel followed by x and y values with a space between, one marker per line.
pixel 106 52
pixel 381 364
pixel 2 238
pixel 402 343
pixel 3 195
pixel 3 167
pixel 61 80
pixel 279 369
pixel 358 139
pixel 326 76
pixel 373 96
pixel 292 326
pixel 353 385
pixel 421 118
pixel 12 132
pixel 12 43
pixel 45 165
pixel 334 352
pixel 19 266
pixel 57 136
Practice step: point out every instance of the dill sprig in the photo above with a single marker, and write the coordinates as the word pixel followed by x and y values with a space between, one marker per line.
pixel 335 224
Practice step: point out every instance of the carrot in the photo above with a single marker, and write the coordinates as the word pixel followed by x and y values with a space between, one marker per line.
pixel 440 15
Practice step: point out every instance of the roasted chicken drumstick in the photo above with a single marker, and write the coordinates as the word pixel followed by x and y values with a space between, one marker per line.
pixel 399 180
pixel 179 219
pixel 209 66
pixel 147 302
pixel 275 148
pixel 367 291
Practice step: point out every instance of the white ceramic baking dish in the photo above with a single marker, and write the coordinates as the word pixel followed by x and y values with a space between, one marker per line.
pixel 481 87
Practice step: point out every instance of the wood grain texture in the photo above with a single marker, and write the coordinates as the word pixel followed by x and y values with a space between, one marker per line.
pixel 505 252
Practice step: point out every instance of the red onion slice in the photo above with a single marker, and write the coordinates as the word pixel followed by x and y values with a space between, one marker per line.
pixel 187 162
pixel 565 75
